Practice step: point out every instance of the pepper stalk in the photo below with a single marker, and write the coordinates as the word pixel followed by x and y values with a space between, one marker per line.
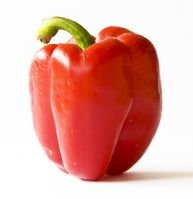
pixel 50 27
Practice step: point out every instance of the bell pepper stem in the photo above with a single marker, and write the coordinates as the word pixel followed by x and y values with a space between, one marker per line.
pixel 50 27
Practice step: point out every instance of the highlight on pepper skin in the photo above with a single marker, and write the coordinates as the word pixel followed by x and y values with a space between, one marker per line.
pixel 96 103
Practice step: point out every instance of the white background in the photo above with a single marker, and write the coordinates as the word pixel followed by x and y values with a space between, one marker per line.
pixel 166 169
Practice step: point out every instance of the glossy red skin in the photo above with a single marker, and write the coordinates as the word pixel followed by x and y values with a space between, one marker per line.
pixel 98 129
pixel 143 119
pixel 39 85
pixel 91 95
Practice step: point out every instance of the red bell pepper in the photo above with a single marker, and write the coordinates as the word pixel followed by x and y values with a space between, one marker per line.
pixel 96 103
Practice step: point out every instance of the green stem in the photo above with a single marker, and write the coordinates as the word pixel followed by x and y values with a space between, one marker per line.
pixel 50 27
